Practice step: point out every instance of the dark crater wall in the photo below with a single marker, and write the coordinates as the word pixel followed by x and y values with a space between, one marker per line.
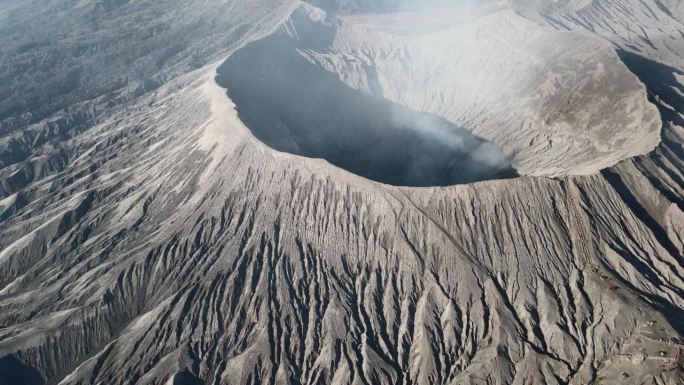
pixel 15 372
pixel 295 106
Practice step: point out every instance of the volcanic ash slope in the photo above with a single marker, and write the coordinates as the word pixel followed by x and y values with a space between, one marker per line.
pixel 172 247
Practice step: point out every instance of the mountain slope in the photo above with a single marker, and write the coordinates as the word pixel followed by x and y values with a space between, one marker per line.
pixel 163 244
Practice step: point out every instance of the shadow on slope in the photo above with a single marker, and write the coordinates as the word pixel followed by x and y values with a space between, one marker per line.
pixel 13 371
pixel 295 106
pixel 662 86
pixel 661 82
pixel 186 378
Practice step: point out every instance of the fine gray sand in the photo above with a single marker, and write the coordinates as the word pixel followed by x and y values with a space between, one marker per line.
pixel 341 192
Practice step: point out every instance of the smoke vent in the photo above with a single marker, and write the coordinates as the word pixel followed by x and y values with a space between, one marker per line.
pixel 295 106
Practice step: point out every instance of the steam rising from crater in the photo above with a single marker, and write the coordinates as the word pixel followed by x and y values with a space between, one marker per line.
pixel 294 105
